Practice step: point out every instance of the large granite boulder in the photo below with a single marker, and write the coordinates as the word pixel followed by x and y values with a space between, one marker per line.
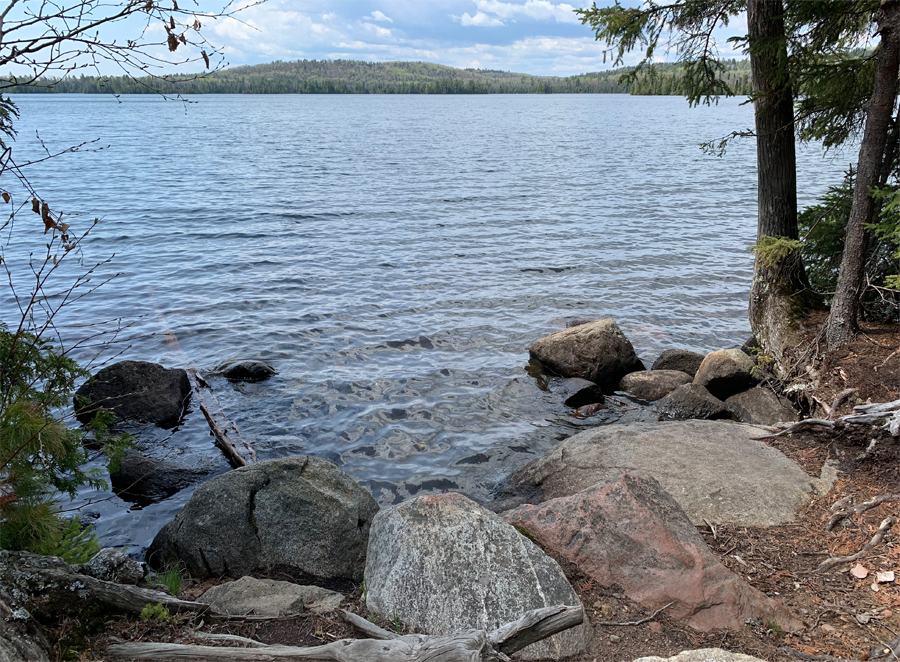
pixel 726 372
pixel 299 511
pixel 21 639
pixel 692 401
pixel 682 360
pixel 136 391
pixel 597 351
pixel 761 405
pixel 652 385
pixel 633 534
pixel 141 479
pixel 715 470
pixel 443 564
pixel 268 597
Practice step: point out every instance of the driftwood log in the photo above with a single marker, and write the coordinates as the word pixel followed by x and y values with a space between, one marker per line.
pixel 469 646
pixel 887 413
pixel 49 587
pixel 226 434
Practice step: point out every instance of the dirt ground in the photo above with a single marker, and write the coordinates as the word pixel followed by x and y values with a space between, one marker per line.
pixel 845 617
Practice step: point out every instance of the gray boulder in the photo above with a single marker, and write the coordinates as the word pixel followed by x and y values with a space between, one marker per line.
pixel 715 470
pixel 692 401
pixel 136 391
pixel 761 405
pixel 142 479
pixel 20 637
pixel 726 372
pixel 679 359
pixel 443 564
pixel 299 511
pixel 111 565
pixel 577 392
pixel 597 351
pixel 248 371
pixel 652 385
pixel 703 655
pixel 267 597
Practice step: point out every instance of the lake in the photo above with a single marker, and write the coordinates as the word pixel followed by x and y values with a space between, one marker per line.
pixel 393 257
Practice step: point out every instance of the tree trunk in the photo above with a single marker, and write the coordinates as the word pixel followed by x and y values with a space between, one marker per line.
pixel 843 318
pixel 780 293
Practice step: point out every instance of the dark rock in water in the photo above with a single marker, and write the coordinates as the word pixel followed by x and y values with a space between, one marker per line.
pixel 142 479
pixel 111 565
pixel 692 401
pixel 597 351
pixel 578 321
pixel 136 391
pixel 303 512
pixel 679 359
pixel 761 405
pixel 726 372
pixel 249 371
pixel 577 392
pixel 632 534
pixel 652 385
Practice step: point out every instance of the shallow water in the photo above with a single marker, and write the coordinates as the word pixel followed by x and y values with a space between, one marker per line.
pixel 393 257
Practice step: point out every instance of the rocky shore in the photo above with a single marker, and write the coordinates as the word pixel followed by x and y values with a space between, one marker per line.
pixel 621 524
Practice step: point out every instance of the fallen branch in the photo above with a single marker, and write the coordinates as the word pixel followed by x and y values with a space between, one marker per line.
pixel 469 646
pixel 829 563
pixel 233 638
pixel 801 426
pixel 870 414
pixel 640 622
pixel 367 628
pixel 840 399
pixel 814 658
pixel 219 423
pixel 843 511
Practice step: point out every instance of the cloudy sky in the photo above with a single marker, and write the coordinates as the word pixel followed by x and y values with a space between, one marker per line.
pixel 530 36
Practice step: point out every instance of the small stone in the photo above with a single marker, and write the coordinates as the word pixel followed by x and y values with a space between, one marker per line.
pixel 884 577
pixel 655 627
pixel 614 638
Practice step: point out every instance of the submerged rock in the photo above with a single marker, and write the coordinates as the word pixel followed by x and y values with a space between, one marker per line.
pixel 141 479
pixel 682 360
pixel 136 391
pixel 248 371
pixel 631 533
pixel 652 385
pixel 597 351
pixel 692 401
pixel 444 564
pixel 299 511
pixel 715 470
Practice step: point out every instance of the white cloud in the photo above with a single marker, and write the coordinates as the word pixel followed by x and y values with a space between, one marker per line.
pixel 379 16
pixel 479 20
pixel 538 10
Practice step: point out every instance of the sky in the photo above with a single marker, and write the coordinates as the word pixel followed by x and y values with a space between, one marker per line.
pixel 542 37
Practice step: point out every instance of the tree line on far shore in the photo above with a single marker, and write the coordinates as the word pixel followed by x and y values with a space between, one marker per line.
pixel 354 77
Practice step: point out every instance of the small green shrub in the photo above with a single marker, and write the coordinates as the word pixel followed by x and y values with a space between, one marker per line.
pixel 156 612
pixel 171 577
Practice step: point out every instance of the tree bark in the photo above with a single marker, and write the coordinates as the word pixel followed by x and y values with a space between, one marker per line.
pixel 844 316
pixel 781 293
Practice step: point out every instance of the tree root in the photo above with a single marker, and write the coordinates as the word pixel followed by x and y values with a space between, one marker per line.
pixel 829 563
pixel 814 658
pixel 870 414
pixel 842 511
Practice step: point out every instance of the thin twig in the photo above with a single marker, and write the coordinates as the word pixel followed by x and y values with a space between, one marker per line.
pixel 640 622
pixel 827 564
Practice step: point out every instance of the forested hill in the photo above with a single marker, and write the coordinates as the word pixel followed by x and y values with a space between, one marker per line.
pixel 353 77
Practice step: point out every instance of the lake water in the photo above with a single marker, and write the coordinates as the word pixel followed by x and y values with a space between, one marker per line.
pixel 393 257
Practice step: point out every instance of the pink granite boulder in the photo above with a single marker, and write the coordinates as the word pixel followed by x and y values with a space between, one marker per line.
pixel 632 533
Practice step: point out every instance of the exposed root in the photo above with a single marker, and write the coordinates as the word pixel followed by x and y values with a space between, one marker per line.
pixel 813 658
pixel 843 511
pixel 829 563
